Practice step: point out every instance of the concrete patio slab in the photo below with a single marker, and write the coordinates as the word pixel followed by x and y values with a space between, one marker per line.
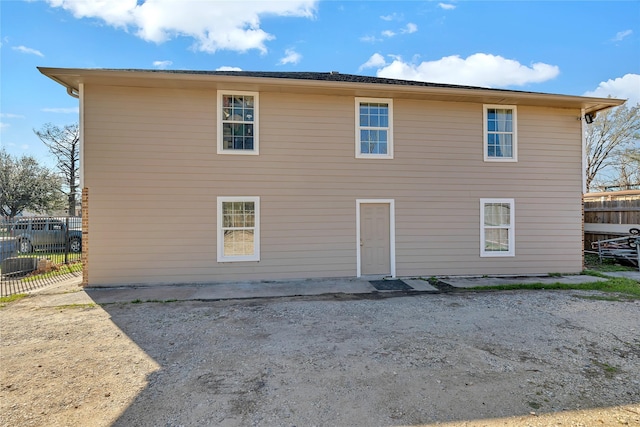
pixel 239 290
pixel 305 287
pixel 635 275
pixel 420 285
pixel 472 282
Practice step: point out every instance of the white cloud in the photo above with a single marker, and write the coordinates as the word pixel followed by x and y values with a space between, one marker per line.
pixel 479 69
pixel 410 28
pixel 622 34
pixel 70 110
pixel 227 68
pixel 163 65
pixel 4 125
pixel 28 51
pixel 11 116
pixel 291 57
pixel 214 25
pixel 446 6
pixel 393 17
pixel 369 39
pixel 625 87
pixel 376 60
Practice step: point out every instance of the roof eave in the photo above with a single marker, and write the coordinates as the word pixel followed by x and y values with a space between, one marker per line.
pixel 71 79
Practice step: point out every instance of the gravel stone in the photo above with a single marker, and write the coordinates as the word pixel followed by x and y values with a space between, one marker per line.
pixel 522 358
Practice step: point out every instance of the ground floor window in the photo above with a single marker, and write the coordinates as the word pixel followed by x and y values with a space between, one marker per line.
pixel 238 229
pixel 497 227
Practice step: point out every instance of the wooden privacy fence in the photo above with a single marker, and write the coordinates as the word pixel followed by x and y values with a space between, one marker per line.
pixel 606 219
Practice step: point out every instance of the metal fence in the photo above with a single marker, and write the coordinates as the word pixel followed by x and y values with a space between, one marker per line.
pixel 37 251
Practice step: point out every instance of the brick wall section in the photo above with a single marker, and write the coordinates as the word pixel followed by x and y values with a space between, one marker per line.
pixel 584 261
pixel 85 237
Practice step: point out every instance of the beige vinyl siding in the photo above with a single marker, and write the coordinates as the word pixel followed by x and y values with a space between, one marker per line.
pixel 154 176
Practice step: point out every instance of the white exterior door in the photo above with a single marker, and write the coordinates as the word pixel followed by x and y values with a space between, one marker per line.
pixel 375 239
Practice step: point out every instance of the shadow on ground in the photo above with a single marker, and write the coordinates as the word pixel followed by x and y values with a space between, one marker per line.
pixel 369 361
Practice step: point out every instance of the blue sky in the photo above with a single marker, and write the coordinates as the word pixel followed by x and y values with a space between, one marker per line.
pixel 569 47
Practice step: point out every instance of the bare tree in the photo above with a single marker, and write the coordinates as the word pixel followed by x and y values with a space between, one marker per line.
pixel 25 185
pixel 607 138
pixel 627 170
pixel 64 144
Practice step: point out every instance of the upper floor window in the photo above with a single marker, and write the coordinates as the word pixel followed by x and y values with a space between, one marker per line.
pixel 374 128
pixel 500 138
pixel 497 233
pixel 237 122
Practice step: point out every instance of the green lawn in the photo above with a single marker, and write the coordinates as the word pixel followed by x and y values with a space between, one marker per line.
pixel 63 269
pixel 73 265
pixel 626 288
pixel 55 257
pixel 11 298
pixel 592 262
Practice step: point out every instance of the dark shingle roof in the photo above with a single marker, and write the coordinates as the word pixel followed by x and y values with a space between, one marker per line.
pixel 72 77
pixel 330 76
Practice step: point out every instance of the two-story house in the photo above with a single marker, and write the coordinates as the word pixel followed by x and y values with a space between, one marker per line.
pixel 199 177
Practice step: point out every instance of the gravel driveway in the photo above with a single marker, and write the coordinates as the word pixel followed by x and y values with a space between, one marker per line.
pixel 528 358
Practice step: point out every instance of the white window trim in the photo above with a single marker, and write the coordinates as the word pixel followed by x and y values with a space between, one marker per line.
pixel 485 134
pixel 392 234
pixel 256 233
pixel 511 229
pixel 256 127
pixel 389 154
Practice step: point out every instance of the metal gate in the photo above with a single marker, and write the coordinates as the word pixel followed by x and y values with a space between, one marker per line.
pixel 36 251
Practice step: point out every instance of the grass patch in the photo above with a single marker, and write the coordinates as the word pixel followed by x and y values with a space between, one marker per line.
pixel 63 269
pixel 616 298
pixel 534 405
pixel 592 262
pixel 619 285
pixel 55 257
pixel 71 306
pixel 609 370
pixel 11 298
pixel 593 273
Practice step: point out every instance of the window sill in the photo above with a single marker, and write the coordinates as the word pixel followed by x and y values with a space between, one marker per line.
pixel 374 156
pixel 227 260
pixel 500 160
pixel 497 255
pixel 240 152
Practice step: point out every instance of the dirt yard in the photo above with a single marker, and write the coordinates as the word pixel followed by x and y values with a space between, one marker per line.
pixel 521 358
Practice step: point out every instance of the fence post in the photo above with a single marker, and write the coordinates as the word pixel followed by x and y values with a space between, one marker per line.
pixel 66 242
